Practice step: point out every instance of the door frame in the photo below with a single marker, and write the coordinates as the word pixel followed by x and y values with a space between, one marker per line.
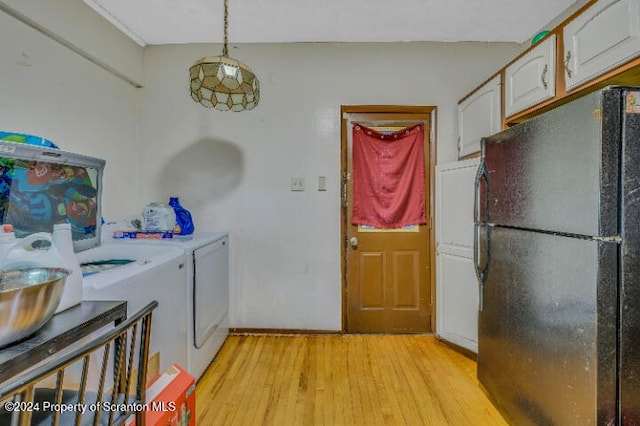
pixel 345 110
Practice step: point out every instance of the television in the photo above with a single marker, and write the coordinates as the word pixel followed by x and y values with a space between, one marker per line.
pixel 42 186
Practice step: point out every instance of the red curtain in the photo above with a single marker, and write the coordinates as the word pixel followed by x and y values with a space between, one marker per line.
pixel 388 177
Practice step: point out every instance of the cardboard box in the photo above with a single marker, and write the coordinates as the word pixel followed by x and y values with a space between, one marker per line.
pixel 171 400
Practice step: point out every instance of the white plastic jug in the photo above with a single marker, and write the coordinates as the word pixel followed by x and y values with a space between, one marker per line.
pixel 45 250
pixel 24 252
pixel 63 243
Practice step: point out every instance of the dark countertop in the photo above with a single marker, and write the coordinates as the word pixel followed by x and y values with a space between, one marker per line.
pixel 64 329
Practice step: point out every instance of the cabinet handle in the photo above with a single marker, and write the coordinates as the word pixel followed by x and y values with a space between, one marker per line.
pixel 566 64
pixel 543 77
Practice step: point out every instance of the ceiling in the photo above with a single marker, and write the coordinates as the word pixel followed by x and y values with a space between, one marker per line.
pixel 290 21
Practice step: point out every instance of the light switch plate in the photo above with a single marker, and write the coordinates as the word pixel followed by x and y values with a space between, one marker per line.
pixel 322 183
pixel 297 184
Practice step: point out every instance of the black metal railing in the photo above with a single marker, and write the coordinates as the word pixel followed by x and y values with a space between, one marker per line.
pixel 23 402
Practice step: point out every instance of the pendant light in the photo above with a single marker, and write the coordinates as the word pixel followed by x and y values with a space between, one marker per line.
pixel 224 83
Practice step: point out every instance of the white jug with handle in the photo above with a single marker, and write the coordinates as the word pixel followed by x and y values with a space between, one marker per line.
pixel 18 253
pixel 46 251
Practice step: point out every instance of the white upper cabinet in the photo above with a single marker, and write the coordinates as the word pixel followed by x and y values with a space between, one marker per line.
pixel 479 116
pixel 601 38
pixel 531 79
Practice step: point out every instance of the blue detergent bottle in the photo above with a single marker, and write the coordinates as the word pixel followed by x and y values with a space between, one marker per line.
pixel 184 224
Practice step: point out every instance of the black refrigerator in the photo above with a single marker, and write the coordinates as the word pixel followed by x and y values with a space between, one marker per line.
pixel 557 256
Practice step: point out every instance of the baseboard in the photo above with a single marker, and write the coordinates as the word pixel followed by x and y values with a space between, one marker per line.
pixel 464 351
pixel 273 331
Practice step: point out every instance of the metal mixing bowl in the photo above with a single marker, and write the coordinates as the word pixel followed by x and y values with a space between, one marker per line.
pixel 28 299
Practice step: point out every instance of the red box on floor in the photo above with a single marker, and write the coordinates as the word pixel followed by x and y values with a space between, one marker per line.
pixel 171 399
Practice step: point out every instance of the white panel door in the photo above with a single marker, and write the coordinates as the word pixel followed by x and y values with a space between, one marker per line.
pixel 454 206
pixel 479 115
pixel 531 79
pixel 457 300
pixel 456 285
pixel 603 37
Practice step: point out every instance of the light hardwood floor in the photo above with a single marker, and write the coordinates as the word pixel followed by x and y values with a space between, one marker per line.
pixel 341 380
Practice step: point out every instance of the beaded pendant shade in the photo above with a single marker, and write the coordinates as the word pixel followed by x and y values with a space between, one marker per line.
pixel 224 83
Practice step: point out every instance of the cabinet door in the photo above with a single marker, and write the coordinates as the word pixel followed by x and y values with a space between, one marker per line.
pixel 531 79
pixel 458 295
pixel 478 116
pixel 454 206
pixel 456 284
pixel 603 37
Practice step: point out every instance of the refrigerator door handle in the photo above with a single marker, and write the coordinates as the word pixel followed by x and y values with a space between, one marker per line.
pixel 476 252
pixel 480 175
pixel 476 249
pixel 482 270
pixel 480 224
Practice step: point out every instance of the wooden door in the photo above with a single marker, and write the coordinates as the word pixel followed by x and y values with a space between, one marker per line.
pixel 386 273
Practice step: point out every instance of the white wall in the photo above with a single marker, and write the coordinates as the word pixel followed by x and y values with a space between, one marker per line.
pixel 80 26
pixel 232 170
pixel 48 90
pixel 559 19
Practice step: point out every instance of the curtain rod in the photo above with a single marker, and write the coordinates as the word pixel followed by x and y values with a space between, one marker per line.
pixel 382 122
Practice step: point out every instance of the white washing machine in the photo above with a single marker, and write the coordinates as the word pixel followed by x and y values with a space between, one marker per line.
pixel 206 296
pixel 156 273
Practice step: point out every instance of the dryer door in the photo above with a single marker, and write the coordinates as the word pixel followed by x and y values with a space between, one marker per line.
pixel 211 289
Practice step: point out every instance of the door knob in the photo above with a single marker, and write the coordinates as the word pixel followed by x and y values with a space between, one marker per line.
pixel 354 241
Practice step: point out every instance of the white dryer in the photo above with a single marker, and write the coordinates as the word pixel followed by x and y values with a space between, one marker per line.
pixel 206 296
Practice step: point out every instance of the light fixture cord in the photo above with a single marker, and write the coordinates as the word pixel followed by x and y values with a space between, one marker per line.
pixel 225 51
